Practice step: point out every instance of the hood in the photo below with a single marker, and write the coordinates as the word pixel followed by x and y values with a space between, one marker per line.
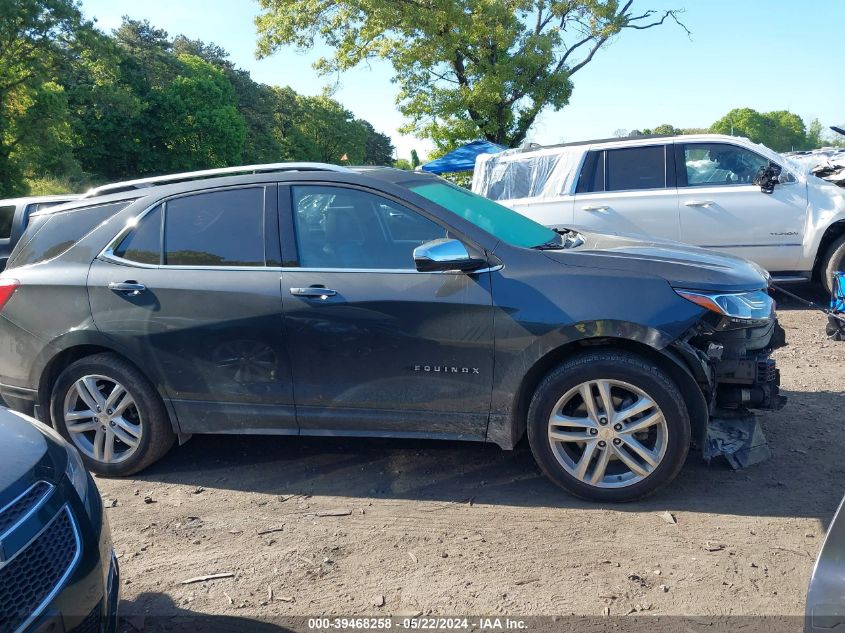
pixel 681 265
pixel 25 454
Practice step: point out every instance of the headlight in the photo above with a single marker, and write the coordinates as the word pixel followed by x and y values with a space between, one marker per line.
pixel 75 471
pixel 748 306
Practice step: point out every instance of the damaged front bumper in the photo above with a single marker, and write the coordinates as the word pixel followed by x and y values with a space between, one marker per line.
pixel 737 374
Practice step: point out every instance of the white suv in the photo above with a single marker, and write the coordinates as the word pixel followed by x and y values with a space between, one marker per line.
pixel 699 189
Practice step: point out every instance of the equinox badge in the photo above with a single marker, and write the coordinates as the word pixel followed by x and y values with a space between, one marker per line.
pixel 447 369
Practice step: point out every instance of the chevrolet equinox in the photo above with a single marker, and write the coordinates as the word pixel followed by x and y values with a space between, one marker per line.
pixel 320 300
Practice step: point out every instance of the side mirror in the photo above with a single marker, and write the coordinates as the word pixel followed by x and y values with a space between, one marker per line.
pixel 445 254
pixel 767 177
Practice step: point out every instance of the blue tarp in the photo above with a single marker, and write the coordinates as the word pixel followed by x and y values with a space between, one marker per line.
pixel 463 158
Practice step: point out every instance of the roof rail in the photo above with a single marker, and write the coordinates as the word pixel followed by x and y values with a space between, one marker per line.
pixel 534 146
pixel 140 183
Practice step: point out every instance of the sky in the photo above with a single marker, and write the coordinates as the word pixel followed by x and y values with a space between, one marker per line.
pixel 763 54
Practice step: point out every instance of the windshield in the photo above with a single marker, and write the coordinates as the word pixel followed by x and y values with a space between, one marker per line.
pixel 505 224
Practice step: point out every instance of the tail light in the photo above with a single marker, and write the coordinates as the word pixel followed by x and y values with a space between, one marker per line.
pixel 7 289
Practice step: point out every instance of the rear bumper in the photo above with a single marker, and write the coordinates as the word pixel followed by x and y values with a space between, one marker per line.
pixel 19 399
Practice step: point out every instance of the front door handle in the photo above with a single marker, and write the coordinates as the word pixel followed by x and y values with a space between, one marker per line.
pixel 698 203
pixel 130 288
pixel 596 207
pixel 313 292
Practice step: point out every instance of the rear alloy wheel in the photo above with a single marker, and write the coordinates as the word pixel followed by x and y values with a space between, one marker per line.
pixel 102 419
pixel 112 414
pixel 609 426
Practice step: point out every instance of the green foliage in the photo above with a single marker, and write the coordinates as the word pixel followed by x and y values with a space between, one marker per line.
pixel 50 185
pixel 415 159
pixel 402 163
pixel 80 106
pixel 36 35
pixel 781 131
pixel 199 123
pixel 465 68
pixel 378 149
pixel 665 128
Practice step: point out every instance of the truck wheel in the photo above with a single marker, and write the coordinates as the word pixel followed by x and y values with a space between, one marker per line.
pixel 609 426
pixel 111 413
pixel 834 260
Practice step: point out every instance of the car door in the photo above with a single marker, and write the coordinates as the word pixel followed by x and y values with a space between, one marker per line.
pixel 628 190
pixel 375 345
pixel 721 208
pixel 192 293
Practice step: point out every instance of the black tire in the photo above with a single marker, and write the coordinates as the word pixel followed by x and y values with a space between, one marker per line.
pixel 157 435
pixel 615 366
pixel 834 260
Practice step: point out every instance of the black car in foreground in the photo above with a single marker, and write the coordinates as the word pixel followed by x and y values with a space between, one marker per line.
pixel 58 572
pixel 320 300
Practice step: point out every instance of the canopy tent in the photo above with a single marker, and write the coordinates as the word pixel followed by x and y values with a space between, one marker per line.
pixel 463 158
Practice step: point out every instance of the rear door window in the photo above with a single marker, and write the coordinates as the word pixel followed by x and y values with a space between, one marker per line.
pixel 636 168
pixel 218 228
pixel 54 234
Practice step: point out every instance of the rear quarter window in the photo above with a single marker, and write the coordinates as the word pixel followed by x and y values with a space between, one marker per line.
pixel 49 236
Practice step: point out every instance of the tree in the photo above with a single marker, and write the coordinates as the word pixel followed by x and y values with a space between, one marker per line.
pixel 35 36
pixel 255 101
pixel 465 68
pixel 199 122
pixel 665 128
pixel 378 149
pixel 415 159
pixel 781 131
pixel 332 130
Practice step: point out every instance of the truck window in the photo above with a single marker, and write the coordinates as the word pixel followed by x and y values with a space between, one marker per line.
pixel 710 164
pixel 7 216
pixel 592 173
pixel 635 168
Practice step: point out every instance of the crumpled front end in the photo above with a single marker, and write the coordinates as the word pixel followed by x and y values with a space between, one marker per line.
pixel 733 364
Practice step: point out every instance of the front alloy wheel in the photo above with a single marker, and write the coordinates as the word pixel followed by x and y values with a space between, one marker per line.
pixel 608 433
pixel 102 419
pixel 609 426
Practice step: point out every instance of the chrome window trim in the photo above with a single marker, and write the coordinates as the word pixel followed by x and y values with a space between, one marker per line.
pixel 390 271
pixel 71 566
pixel 24 517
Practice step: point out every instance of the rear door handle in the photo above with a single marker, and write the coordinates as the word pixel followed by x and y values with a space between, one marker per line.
pixel 131 288
pixel 596 207
pixel 313 292
pixel 698 203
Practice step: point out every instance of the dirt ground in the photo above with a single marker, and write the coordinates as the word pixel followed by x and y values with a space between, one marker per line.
pixel 310 526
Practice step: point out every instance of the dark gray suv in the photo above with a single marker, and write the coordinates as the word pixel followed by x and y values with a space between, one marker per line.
pixel 377 302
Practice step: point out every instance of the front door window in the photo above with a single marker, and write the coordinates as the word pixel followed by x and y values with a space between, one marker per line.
pixel 710 164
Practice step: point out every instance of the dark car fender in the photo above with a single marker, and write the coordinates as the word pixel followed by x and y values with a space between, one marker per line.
pixel 515 386
pixel 71 346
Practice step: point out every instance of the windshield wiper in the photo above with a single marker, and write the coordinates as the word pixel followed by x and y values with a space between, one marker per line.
pixel 552 245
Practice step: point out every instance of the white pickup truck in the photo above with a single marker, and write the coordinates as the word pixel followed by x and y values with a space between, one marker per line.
pixel 718 192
